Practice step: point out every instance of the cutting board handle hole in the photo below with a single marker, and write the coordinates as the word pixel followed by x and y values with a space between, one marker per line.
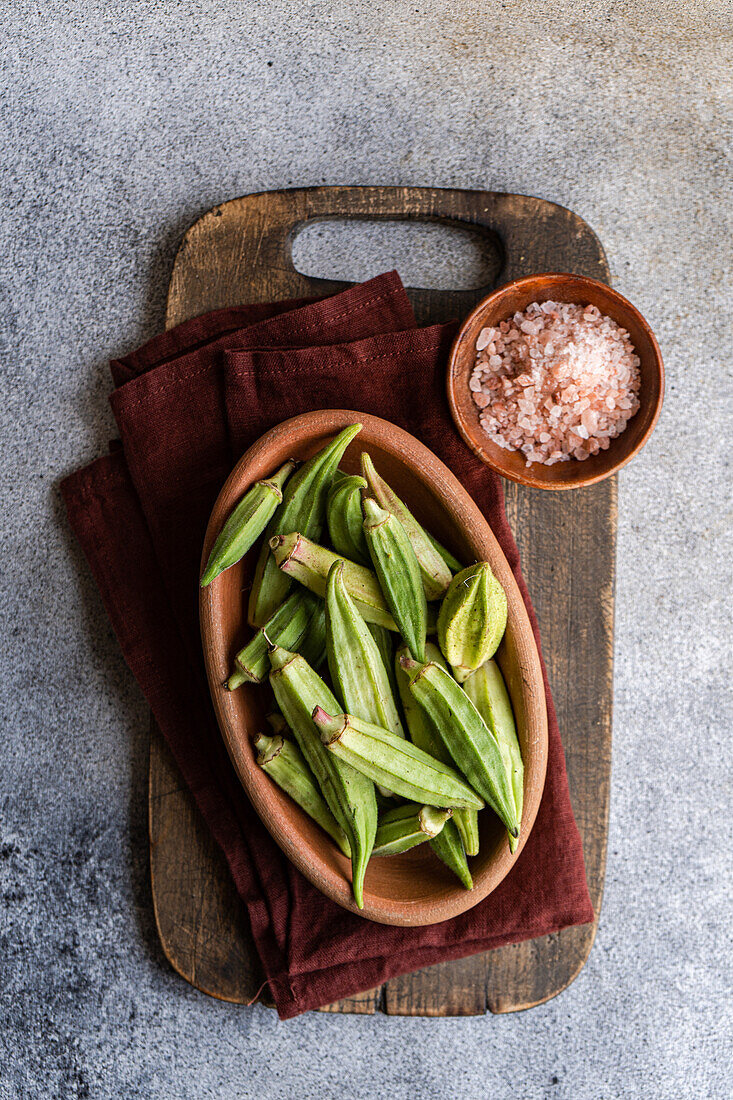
pixel 428 254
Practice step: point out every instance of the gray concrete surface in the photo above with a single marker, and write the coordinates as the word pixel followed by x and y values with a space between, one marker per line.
pixel 121 124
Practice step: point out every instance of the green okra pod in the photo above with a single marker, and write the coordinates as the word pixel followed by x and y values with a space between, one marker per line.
pixel 343 514
pixel 448 847
pixel 466 736
pixel 246 523
pixel 309 563
pixel 436 575
pixel 313 643
pixel 426 737
pixel 472 619
pixel 287 626
pixel 487 691
pixel 407 826
pixel 349 794
pixel 450 559
pixel 398 573
pixel 385 644
pixel 467 825
pixel 393 762
pixel 284 763
pixel 303 509
pixel 357 670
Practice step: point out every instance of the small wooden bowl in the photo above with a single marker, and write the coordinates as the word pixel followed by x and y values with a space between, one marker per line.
pixel 414 888
pixel 500 306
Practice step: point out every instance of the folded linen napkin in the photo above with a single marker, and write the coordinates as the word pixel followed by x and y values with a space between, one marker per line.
pixel 188 403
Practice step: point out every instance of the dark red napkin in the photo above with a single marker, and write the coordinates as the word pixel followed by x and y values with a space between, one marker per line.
pixel 190 402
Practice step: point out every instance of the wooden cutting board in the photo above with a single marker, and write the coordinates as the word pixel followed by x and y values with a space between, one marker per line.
pixel 241 252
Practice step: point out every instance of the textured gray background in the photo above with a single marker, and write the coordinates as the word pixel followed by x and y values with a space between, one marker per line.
pixel 121 124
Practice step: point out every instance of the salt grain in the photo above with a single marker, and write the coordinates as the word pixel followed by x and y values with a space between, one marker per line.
pixel 559 381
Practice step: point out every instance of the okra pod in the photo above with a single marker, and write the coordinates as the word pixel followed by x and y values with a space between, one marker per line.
pixel 309 563
pixel 357 670
pixel 284 763
pixel 487 691
pixel 448 847
pixel 349 794
pixel 398 573
pixel 467 825
pixel 287 626
pixel 393 762
pixel 385 644
pixel 303 509
pixel 472 619
pixel 436 575
pixel 246 523
pixel 426 737
pixel 343 514
pixel 313 643
pixel 407 826
pixel 464 733
pixel 450 560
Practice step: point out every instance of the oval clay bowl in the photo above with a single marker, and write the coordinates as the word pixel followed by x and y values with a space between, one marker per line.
pixel 500 306
pixel 413 888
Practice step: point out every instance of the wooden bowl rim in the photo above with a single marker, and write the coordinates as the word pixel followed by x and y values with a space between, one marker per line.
pixel 265 796
pixel 469 432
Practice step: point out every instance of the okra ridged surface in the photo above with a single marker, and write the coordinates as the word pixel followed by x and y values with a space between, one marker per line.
pixel 487 691
pixel 464 733
pixel 448 847
pixel 309 563
pixel 303 509
pixel 357 670
pixel 436 576
pixel 288 626
pixel 344 518
pixel 298 689
pixel 424 734
pixel 285 764
pixel 393 762
pixel 472 619
pixel 398 574
pixel 406 826
pixel 246 523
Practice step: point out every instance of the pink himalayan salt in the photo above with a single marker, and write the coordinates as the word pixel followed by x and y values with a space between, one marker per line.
pixel 555 382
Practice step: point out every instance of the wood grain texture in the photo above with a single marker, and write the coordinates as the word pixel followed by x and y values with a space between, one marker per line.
pixel 240 252
pixel 201 922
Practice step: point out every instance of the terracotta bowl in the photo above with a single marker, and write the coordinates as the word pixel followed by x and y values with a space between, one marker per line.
pixel 414 888
pixel 500 306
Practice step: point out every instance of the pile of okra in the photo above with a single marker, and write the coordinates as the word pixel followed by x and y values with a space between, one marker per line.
pixel 387 739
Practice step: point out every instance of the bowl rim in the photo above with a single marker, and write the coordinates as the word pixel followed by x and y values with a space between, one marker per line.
pixel 456 900
pixel 529 478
